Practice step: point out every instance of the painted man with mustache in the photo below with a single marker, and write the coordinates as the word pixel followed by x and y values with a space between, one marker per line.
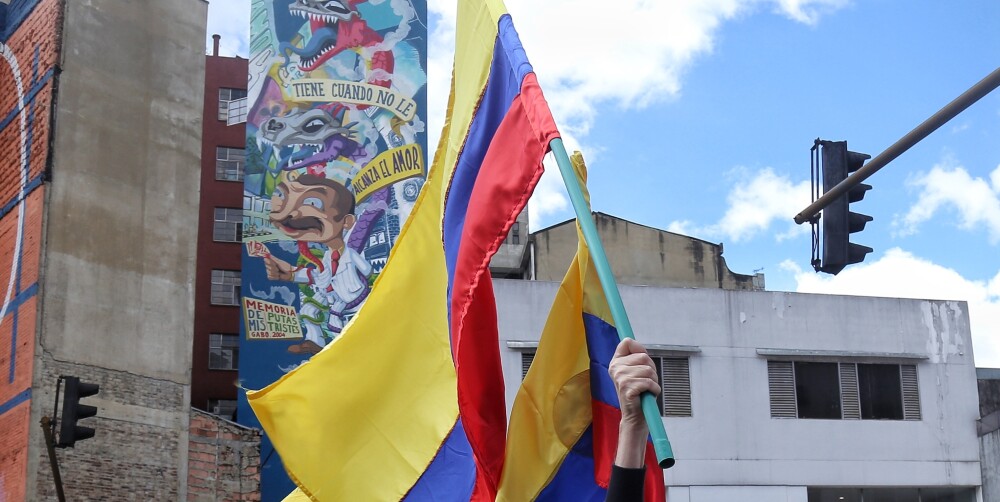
pixel 312 208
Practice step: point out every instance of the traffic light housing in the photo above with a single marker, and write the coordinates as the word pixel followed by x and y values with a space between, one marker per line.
pixel 73 411
pixel 838 221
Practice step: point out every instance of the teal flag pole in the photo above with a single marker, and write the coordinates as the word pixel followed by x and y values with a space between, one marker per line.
pixel 661 444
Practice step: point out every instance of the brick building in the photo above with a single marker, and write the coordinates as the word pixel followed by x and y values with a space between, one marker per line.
pixel 224 460
pixel 97 199
pixel 215 356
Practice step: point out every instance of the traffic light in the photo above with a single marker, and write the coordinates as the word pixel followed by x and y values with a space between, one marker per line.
pixel 73 411
pixel 839 222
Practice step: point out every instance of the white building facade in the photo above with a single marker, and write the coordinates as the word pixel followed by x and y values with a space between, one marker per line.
pixel 789 397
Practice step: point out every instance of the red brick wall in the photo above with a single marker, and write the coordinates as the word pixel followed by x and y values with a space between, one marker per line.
pixel 30 42
pixel 220 72
pixel 223 460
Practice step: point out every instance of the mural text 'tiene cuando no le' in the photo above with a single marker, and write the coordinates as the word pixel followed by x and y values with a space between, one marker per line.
pixel 336 145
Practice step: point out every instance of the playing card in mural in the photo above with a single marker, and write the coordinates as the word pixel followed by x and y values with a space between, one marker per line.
pixel 336 155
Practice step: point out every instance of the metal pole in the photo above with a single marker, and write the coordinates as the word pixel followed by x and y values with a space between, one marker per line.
pixel 51 446
pixel 661 444
pixel 984 87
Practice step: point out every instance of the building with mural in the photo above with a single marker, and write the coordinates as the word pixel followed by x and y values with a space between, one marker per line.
pixel 336 154
pixel 100 127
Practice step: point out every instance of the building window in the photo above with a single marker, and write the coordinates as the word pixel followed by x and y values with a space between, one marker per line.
pixel 225 96
pixel 229 163
pixel 675 386
pixel 817 390
pixel 228 226
pixel 526 358
pixel 849 391
pixel 225 408
pixel 223 351
pixel 515 233
pixel 225 287
pixel 675 383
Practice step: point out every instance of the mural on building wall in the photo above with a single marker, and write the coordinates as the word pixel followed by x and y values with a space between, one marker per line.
pixel 335 159
pixel 28 51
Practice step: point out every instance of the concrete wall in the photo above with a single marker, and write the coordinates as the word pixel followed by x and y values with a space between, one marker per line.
pixel 224 460
pixel 989 390
pixel 641 255
pixel 117 286
pixel 511 259
pixel 29 50
pixel 989 451
pixel 731 440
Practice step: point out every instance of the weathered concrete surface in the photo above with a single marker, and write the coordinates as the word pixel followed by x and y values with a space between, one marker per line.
pixel 731 440
pixel 989 390
pixel 116 301
pixel 641 255
pixel 122 214
pixel 989 448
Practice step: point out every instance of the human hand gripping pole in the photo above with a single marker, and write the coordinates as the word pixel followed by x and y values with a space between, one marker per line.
pixel 658 435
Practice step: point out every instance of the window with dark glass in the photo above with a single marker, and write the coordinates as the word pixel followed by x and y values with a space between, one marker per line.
pixel 880 392
pixel 817 390
pixel 223 351
pixel 228 225
pixel 225 287
pixel 849 391
pixel 229 163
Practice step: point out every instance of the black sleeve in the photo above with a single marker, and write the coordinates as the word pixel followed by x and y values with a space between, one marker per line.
pixel 626 484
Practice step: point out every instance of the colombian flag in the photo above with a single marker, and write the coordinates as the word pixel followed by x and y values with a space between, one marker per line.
pixel 408 402
pixel 564 423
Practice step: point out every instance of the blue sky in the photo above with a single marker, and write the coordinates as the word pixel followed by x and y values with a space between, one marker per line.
pixel 698 115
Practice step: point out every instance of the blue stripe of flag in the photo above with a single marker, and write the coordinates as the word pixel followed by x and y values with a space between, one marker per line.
pixel 452 473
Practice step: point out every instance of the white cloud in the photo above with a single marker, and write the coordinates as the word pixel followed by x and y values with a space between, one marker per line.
pixel 630 56
pixel 586 53
pixel 899 274
pixel 231 20
pixel 949 186
pixel 756 200
pixel 806 11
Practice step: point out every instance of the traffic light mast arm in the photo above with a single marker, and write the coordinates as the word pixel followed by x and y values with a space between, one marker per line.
pixel 984 87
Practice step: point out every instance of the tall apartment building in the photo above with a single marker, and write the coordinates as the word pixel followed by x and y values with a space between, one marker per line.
pixel 215 356
pixel 100 114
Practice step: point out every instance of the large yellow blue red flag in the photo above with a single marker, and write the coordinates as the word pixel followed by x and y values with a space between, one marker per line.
pixel 408 402
pixel 564 424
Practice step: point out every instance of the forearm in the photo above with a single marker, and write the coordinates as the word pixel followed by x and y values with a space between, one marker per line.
pixel 631 444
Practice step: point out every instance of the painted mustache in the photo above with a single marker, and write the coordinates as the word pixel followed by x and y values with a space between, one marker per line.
pixel 301 223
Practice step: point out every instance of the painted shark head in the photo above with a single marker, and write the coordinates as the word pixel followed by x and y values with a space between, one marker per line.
pixel 307 137
pixel 324 11
pixel 309 127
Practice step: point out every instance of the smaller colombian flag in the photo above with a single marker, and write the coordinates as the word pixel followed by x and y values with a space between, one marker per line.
pixel 563 429
pixel 408 403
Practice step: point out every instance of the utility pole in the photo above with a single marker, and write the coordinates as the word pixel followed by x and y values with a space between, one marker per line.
pixel 50 445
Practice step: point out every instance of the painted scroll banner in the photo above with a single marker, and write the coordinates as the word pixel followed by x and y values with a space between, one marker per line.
pixel 318 90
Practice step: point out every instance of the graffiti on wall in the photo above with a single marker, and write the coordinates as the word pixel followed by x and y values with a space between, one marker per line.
pixel 28 51
pixel 336 156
